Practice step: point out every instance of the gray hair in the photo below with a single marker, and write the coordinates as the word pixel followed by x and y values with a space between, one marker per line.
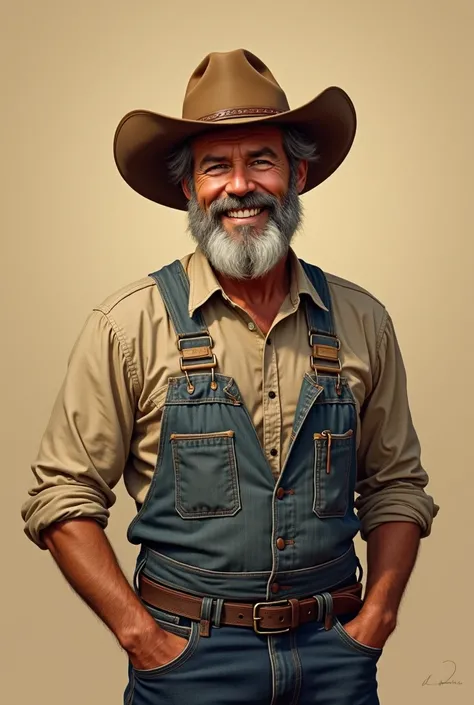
pixel 296 144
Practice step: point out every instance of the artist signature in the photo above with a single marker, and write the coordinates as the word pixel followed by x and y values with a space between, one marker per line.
pixel 444 681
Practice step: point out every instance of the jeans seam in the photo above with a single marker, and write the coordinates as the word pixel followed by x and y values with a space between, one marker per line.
pixel 297 662
pixel 131 692
pixel 273 667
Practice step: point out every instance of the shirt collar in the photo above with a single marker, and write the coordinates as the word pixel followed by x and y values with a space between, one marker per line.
pixel 300 284
pixel 203 282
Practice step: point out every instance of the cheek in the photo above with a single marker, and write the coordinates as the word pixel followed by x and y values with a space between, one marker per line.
pixel 207 191
pixel 275 182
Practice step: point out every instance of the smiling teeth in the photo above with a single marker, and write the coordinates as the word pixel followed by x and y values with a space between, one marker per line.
pixel 244 214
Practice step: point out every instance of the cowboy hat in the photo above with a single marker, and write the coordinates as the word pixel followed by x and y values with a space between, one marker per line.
pixel 228 89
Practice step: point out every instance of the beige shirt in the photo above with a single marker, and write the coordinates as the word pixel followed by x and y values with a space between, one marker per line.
pixel 107 417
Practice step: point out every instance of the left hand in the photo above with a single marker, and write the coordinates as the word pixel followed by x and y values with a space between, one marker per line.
pixel 370 629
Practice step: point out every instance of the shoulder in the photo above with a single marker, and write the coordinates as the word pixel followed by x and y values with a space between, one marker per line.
pixel 134 294
pixel 136 299
pixel 357 309
pixel 347 290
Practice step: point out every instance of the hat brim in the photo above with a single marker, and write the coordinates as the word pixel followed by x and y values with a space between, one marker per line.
pixel 144 139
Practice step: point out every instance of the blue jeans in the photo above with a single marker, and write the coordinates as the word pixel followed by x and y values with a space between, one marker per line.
pixel 234 665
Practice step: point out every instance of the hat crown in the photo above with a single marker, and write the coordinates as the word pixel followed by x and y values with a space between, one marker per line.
pixel 226 82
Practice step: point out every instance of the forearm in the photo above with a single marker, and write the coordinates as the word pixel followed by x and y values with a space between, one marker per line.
pixel 392 549
pixel 87 561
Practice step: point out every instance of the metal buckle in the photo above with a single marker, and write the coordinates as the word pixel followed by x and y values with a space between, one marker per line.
pixel 199 366
pixel 256 618
pixel 323 335
pixel 194 337
pixel 331 369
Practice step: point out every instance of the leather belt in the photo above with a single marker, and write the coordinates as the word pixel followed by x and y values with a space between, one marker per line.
pixel 264 617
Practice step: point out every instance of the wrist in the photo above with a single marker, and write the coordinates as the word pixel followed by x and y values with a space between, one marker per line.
pixel 133 636
pixel 384 616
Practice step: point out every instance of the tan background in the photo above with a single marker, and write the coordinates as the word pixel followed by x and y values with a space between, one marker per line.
pixel 395 218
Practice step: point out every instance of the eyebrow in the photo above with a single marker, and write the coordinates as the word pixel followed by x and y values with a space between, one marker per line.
pixel 254 154
pixel 264 152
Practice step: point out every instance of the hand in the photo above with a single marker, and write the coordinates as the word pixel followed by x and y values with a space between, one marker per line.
pixel 158 651
pixel 370 630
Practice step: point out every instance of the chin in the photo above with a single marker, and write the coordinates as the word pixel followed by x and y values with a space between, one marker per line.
pixel 245 231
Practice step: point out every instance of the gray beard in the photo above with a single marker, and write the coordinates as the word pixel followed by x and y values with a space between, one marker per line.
pixel 248 254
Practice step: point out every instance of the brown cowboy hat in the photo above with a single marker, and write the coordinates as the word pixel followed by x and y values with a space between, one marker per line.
pixel 227 89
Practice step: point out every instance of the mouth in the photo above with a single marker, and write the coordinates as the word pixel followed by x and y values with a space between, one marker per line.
pixel 244 214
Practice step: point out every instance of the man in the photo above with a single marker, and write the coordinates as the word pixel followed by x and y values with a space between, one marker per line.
pixel 246 397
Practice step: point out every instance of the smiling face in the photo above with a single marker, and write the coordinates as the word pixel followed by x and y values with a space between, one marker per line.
pixel 244 199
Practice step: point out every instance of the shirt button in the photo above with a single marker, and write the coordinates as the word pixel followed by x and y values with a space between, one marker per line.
pixel 272 395
pixel 280 544
pixel 251 325
pixel 273 452
pixel 280 493
pixel 275 588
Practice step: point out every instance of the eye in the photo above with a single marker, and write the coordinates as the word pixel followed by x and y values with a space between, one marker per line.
pixel 216 167
pixel 261 162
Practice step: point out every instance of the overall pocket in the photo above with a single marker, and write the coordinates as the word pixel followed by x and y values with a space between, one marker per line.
pixel 192 636
pixel 350 642
pixel 332 466
pixel 206 475
pixel 169 622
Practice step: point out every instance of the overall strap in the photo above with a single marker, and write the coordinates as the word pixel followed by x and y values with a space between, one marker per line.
pixel 193 339
pixel 325 344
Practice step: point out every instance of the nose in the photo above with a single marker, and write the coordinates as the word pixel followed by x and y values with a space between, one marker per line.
pixel 238 183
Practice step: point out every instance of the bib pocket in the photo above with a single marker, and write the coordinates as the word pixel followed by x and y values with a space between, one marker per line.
pixel 332 466
pixel 206 475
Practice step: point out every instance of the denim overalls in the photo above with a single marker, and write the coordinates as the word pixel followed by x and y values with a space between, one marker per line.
pixel 215 523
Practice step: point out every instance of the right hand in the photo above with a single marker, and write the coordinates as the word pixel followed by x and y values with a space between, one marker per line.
pixel 158 651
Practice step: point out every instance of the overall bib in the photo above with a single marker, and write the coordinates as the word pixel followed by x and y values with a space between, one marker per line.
pixel 216 524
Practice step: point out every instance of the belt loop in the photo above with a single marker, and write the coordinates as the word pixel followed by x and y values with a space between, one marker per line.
pixel 360 571
pixel 321 604
pixel 217 615
pixel 136 577
pixel 205 617
pixel 295 613
pixel 328 617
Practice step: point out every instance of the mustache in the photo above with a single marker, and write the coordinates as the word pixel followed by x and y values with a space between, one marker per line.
pixel 250 200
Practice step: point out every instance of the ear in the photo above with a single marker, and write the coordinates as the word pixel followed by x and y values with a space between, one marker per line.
pixel 301 175
pixel 186 190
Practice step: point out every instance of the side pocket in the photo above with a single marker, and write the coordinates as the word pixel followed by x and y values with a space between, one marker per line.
pixel 206 475
pixel 169 622
pixel 332 466
pixel 179 661
pixel 352 643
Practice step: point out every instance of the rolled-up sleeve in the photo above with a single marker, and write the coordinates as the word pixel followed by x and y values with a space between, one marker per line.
pixel 86 443
pixel 391 480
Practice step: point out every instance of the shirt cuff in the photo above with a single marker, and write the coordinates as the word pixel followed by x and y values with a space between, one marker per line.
pixel 54 504
pixel 397 503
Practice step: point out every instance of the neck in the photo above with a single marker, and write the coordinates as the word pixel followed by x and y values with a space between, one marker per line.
pixel 262 291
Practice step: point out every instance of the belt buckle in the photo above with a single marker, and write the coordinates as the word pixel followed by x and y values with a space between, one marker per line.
pixel 256 618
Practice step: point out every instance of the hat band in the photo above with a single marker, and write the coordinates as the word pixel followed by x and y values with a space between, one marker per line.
pixel 238 113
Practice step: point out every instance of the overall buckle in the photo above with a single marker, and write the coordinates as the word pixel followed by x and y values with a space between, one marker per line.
pixel 196 356
pixel 256 618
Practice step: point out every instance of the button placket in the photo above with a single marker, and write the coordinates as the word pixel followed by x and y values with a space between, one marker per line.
pixel 271 410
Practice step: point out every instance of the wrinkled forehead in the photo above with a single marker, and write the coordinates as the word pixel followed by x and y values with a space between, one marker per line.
pixel 249 138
